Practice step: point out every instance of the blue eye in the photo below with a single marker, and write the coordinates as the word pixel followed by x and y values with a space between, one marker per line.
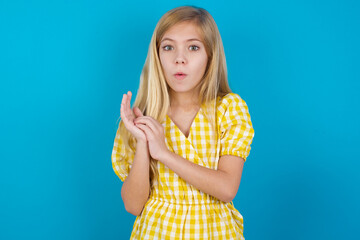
pixel 197 48
pixel 166 48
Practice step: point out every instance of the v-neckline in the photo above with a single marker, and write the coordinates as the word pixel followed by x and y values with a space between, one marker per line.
pixel 191 126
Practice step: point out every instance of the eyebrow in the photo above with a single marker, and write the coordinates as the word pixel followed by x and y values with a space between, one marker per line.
pixel 189 40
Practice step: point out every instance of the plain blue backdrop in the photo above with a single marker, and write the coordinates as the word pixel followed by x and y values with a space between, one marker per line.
pixel 64 66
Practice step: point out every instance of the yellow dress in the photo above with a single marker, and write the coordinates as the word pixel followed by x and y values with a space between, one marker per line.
pixel 176 209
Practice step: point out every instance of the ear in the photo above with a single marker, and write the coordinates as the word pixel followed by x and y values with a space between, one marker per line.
pixel 137 112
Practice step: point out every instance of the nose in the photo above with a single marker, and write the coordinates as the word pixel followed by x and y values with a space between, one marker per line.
pixel 180 58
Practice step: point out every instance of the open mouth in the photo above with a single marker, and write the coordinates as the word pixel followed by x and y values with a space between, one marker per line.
pixel 180 73
pixel 180 76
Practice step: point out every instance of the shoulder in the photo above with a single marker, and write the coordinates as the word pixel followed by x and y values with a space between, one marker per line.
pixel 232 110
pixel 230 97
pixel 231 103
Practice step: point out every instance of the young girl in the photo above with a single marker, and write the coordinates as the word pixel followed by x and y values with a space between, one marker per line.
pixel 180 150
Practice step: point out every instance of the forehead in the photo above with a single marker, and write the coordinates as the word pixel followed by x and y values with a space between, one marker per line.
pixel 183 31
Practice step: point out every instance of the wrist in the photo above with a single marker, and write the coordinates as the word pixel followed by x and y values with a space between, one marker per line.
pixel 165 155
pixel 141 143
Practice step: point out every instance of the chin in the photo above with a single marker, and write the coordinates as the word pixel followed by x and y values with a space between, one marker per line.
pixel 180 89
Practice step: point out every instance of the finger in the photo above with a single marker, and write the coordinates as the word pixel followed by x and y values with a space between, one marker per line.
pixel 123 101
pixel 123 107
pixel 126 116
pixel 137 112
pixel 123 104
pixel 147 121
pixel 152 123
pixel 123 114
pixel 148 132
pixel 122 110
pixel 127 110
pixel 129 101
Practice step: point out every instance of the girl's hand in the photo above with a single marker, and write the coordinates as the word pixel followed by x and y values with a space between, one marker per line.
pixel 128 116
pixel 154 132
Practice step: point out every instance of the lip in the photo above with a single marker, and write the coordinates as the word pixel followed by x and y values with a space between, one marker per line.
pixel 180 75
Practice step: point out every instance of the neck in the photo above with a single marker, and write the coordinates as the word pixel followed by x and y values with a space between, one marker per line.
pixel 184 100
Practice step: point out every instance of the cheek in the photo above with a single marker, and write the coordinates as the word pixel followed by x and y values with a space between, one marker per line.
pixel 202 63
pixel 202 68
pixel 164 63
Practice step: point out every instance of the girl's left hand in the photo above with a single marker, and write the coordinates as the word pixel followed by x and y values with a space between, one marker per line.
pixel 154 132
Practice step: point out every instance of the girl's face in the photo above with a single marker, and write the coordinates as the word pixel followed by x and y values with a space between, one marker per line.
pixel 183 57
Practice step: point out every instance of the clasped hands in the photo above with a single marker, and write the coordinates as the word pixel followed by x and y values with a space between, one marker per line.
pixel 143 128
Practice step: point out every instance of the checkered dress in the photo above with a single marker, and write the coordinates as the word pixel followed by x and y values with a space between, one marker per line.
pixel 176 209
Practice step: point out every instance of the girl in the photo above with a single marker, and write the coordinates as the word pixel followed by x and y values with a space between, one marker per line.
pixel 180 150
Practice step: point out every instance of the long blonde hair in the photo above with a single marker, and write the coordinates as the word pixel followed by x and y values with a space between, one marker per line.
pixel 153 96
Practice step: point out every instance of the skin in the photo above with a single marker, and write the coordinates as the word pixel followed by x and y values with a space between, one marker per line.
pixel 179 54
pixel 136 187
pixel 182 50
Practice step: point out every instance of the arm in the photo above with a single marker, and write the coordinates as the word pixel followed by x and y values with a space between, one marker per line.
pixel 222 183
pixel 135 189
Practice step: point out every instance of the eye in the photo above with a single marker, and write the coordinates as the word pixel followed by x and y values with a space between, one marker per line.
pixel 194 47
pixel 167 47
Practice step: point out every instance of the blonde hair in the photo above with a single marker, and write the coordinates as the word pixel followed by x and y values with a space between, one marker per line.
pixel 153 96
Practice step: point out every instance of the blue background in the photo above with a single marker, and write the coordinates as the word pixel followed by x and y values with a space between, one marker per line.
pixel 64 66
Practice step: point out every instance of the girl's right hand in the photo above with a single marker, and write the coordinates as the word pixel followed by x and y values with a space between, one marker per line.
pixel 128 116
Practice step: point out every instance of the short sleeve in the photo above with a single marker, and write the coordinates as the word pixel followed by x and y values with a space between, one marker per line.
pixel 121 157
pixel 236 130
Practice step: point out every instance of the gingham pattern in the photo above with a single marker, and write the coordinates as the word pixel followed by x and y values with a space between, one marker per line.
pixel 176 209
